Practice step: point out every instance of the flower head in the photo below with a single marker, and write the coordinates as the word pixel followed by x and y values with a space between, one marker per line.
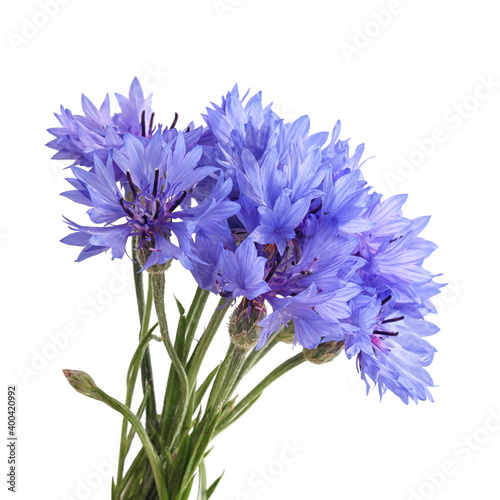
pixel 80 137
pixel 159 177
pixel 142 186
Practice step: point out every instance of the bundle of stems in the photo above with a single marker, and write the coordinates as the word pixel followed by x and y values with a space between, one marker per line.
pixel 176 433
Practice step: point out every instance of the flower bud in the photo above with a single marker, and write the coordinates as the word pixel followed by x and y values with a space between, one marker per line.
pixel 324 353
pixel 244 326
pixel 83 383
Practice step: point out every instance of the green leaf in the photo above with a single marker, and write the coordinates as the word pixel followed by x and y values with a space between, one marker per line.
pixel 202 485
pixel 193 317
pixel 185 494
pixel 172 392
pixel 179 306
pixel 203 388
pixel 237 412
pixel 152 329
pixel 221 376
pixel 178 463
pixel 203 437
pixel 203 344
pixel 214 485
pixel 139 413
pixel 179 338
pixel 257 391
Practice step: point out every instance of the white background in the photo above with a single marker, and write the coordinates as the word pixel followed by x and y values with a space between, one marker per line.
pixel 419 72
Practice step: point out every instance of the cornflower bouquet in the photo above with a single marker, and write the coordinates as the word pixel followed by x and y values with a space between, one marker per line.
pixel 280 224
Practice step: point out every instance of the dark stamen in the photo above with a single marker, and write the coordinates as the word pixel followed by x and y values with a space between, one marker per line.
pixel 317 209
pixel 178 202
pixel 157 212
pixel 273 269
pixel 122 203
pixel 393 320
pixel 131 184
pixel 151 120
pixel 390 334
pixel 155 185
pixel 386 300
pixel 174 123
pixel 143 123
pixel 188 129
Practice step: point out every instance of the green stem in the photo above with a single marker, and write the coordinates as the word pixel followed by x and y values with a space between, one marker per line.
pixel 136 468
pixel 131 381
pixel 196 359
pixel 193 318
pixel 146 368
pixel 236 363
pixel 149 449
pixel 200 438
pixel 139 413
pixel 254 394
pixel 172 390
pixel 158 285
pixel 221 389
pixel 220 377
pixel 138 280
pixel 253 358
pixel 185 334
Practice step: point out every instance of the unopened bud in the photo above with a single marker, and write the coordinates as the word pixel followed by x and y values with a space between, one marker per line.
pixel 83 383
pixel 324 353
pixel 244 326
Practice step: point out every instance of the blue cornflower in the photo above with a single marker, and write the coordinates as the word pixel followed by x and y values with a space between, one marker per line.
pixel 234 126
pixel 80 137
pixel 160 177
pixel 397 354
pixel 394 251
pixel 388 345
